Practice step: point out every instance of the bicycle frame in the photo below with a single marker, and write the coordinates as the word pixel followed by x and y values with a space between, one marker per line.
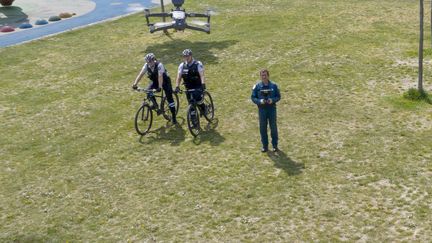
pixel 151 93
pixel 193 101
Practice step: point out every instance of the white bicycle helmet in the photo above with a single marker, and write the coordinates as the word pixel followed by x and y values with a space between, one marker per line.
pixel 150 57
pixel 187 52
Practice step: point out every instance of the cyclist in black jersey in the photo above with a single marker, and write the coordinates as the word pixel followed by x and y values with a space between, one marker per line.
pixel 192 73
pixel 159 78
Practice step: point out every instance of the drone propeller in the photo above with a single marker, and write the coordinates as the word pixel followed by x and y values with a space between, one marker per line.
pixel 212 12
pixel 199 23
pixel 162 24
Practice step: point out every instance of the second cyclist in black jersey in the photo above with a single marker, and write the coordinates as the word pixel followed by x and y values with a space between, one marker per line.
pixel 192 73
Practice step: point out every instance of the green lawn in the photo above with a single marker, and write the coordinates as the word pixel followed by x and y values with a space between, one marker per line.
pixel 356 157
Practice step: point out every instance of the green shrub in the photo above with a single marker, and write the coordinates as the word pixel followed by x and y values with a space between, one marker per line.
pixel 417 95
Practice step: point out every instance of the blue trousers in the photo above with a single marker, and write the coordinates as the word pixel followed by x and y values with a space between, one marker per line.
pixel 267 115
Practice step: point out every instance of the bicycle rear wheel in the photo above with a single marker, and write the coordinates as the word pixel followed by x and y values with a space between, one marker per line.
pixel 208 102
pixel 143 119
pixel 193 120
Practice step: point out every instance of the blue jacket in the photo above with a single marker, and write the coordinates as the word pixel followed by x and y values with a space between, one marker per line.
pixel 265 92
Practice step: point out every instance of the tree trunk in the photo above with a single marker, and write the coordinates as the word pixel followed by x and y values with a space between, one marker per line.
pixel 420 71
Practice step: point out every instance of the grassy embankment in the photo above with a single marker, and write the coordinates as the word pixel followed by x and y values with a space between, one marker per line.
pixel 356 157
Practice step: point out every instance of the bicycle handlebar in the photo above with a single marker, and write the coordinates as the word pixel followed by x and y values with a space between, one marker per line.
pixel 189 90
pixel 145 90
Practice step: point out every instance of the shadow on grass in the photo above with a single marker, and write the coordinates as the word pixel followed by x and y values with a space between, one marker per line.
pixel 170 52
pixel 210 134
pixel 175 134
pixel 27 238
pixel 282 161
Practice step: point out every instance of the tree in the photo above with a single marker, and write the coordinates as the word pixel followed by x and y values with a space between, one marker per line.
pixel 163 10
pixel 163 18
pixel 420 71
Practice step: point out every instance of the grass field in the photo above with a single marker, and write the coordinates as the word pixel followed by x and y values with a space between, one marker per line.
pixel 356 157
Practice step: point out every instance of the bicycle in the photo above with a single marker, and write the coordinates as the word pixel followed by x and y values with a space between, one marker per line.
pixel 144 115
pixel 194 111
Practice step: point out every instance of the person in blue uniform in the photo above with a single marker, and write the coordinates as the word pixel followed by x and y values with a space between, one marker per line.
pixel 159 78
pixel 265 94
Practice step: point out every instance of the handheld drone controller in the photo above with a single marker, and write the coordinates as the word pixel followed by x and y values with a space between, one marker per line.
pixel 266 93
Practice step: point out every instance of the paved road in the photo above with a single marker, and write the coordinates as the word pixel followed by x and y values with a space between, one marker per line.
pixel 105 9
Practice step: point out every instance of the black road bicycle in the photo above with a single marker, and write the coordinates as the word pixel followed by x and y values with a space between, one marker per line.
pixel 144 115
pixel 194 111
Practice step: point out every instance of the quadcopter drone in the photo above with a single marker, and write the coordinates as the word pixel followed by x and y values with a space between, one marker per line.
pixel 179 17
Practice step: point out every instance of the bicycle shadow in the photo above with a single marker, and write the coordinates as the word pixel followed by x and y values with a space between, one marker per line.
pixel 169 52
pixel 282 161
pixel 175 134
pixel 210 134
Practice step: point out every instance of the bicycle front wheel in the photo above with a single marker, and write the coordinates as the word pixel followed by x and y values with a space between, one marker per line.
pixel 143 120
pixel 193 120
pixel 177 102
pixel 209 107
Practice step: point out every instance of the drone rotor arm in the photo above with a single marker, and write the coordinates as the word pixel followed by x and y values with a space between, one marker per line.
pixel 158 15
pixel 199 23
pixel 163 24
pixel 198 15
pixel 148 15
pixel 162 28
pixel 205 29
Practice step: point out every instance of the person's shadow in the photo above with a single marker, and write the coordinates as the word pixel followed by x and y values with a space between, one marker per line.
pixel 12 16
pixel 174 134
pixel 282 161
pixel 210 134
pixel 169 52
